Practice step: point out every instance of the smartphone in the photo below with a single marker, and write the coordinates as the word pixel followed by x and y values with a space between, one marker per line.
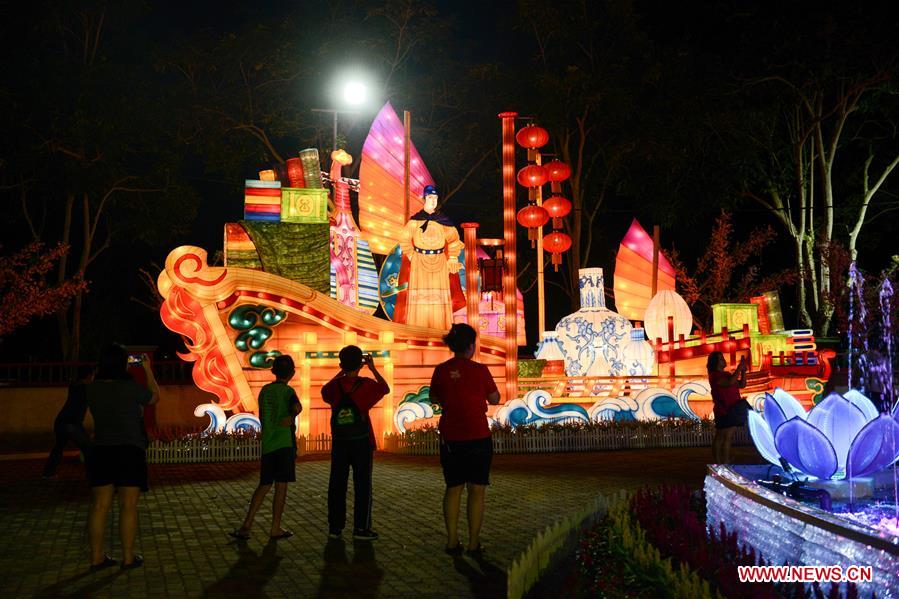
pixel 135 359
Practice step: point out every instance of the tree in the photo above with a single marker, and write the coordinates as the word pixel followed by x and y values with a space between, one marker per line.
pixel 727 271
pixel 24 291
pixel 93 148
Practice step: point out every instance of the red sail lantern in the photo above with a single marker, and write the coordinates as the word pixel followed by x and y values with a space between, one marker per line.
pixel 558 208
pixel 556 243
pixel 532 176
pixel 533 217
pixel 532 137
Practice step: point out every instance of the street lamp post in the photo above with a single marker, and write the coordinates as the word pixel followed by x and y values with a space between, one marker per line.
pixel 354 93
pixel 335 112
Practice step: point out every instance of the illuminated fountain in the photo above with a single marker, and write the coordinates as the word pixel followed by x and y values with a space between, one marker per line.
pixel 829 496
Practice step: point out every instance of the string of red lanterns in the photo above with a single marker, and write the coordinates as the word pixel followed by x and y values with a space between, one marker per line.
pixel 534 176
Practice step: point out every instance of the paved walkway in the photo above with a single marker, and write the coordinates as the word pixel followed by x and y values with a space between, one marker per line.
pixel 185 517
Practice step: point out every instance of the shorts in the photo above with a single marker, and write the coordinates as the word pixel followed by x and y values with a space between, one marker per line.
pixel 119 465
pixel 466 461
pixel 736 416
pixel 279 466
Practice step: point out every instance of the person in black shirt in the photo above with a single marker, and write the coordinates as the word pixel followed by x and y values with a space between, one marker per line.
pixel 69 423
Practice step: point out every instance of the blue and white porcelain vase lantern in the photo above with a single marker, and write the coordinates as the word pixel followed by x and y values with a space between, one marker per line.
pixel 639 356
pixel 593 338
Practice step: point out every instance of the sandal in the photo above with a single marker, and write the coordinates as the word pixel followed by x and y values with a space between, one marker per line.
pixel 107 562
pixel 240 534
pixel 137 562
pixel 457 550
pixel 285 534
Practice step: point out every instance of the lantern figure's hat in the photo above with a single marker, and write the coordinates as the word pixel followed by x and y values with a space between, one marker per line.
pixel 429 190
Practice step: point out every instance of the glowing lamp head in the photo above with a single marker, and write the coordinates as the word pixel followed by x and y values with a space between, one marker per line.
pixel 532 137
pixel 355 93
pixel 557 171
pixel 532 175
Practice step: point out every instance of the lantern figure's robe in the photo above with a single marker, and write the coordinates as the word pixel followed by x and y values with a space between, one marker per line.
pixel 428 243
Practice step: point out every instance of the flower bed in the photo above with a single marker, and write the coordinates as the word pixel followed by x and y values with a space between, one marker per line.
pixel 655 543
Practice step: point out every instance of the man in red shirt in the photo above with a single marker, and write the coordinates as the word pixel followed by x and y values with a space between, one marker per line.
pixel 352 440
pixel 464 388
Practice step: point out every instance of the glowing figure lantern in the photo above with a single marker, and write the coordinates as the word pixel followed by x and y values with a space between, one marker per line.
pixel 593 337
pixel 667 303
pixel 844 436
pixel 558 208
pixel 557 243
pixel 639 357
pixel 533 217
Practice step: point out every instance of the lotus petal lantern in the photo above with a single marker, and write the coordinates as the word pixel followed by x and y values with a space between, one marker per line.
pixel 841 437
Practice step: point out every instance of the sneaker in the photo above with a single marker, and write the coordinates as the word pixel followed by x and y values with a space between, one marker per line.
pixel 334 533
pixel 365 535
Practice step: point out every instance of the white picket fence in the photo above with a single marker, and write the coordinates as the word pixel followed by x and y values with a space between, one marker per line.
pixel 525 570
pixel 641 436
pixel 199 449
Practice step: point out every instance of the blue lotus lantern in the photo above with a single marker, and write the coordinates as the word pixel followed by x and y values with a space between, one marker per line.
pixel 843 436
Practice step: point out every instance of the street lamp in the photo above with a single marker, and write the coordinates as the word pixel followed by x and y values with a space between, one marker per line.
pixel 353 92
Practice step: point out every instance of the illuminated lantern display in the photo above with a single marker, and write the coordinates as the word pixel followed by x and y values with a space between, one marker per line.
pixel 557 208
pixel 667 303
pixel 262 200
pixel 633 273
pixel 532 137
pixel 295 173
pixel 532 217
pixel 593 338
pixel 268 175
pixel 532 176
pixel 556 243
pixel 638 356
pixel 312 168
pixel 550 349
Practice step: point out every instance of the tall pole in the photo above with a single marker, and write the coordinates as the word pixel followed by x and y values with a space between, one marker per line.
pixel 472 297
pixel 407 158
pixel 510 274
pixel 541 297
pixel 655 259
pixel 335 129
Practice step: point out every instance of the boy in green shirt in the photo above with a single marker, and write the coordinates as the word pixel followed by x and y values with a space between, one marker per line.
pixel 278 408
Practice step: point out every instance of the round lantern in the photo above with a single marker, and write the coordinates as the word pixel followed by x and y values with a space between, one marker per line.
pixel 556 243
pixel 532 176
pixel 532 137
pixel 557 171
pixel 558 208
pixel 664 304
pixel 532 217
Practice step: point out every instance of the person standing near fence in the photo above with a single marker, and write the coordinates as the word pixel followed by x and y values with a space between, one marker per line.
pixel 351 397
pixel 278 409
pixel 463 388
pixel 729 408
pixel 118 459
pixel 69 423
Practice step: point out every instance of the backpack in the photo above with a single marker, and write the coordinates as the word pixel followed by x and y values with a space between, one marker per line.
pixel 348 423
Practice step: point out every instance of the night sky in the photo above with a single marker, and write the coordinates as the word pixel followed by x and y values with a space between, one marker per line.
pixel 688 107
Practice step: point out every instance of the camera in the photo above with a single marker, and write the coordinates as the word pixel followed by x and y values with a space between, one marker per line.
pixel 366 356
pixel 135 359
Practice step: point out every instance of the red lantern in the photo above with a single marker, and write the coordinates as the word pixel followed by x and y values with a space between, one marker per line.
pixel 556 243
pixel 532 137
pixel 532 176
pixel 295 172
pixel 558 208
pixel 532 217
pixel 557 171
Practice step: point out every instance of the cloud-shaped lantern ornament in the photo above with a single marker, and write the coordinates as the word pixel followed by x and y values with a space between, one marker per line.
pixel 841 437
